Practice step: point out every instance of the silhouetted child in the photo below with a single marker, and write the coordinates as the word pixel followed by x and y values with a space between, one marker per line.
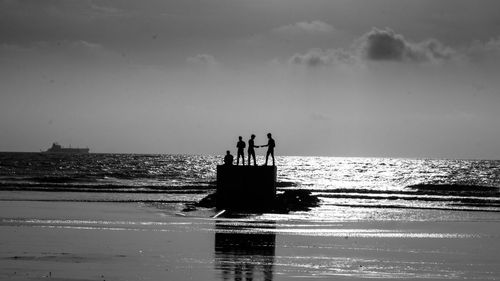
pixel 270 148
pixel 228 159
pixel 241 146
pixel 251 150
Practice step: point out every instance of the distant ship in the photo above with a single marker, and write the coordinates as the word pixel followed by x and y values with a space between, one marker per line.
pixel 57 148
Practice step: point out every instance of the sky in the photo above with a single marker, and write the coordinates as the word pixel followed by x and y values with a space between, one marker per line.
pixel 368 78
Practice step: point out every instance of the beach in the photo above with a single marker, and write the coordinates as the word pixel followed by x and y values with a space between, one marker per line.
pixel 372 127
pixel 61 240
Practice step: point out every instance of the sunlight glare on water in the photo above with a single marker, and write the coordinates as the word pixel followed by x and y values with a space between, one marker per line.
pixel 338 181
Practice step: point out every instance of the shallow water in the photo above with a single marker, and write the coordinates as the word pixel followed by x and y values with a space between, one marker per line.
pixel 123 241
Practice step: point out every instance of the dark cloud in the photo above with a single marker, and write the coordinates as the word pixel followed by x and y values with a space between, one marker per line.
pixel 383 45
pixel 386 45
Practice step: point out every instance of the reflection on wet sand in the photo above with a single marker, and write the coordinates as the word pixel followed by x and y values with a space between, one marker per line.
pixel 243 253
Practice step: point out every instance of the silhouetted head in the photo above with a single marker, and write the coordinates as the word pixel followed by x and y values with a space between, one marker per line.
pixel 239 137
pixel 269 135
pixel 228 152
pixel 252 136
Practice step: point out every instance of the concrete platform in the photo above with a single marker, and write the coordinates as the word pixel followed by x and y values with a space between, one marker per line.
pixel 249 188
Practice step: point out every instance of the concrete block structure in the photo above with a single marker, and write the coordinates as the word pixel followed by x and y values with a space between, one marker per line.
pixel 246 188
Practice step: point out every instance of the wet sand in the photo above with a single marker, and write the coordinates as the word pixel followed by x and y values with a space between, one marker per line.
pixel 133 241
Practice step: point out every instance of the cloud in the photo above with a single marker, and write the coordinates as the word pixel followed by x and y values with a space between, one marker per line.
pixel 319 57
pixel 55 46
pixel 202 60
pixel 298 36
pixel 51 20
pixel 78 49
pixel 76 46
pixel 484 51
pixel 106 10
pixel 313 27
pixel 382 45
pixel 386 45
pixel 84 8
pixel 70 48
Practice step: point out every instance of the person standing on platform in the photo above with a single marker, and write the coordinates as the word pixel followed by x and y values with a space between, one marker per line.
pixel 270 148
pixel 251 150
pixel 241 146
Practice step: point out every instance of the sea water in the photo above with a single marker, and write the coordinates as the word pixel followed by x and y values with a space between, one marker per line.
pixel 374 183
pixel 390 218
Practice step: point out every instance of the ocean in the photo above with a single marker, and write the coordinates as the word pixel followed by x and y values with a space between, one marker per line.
pixel 373 184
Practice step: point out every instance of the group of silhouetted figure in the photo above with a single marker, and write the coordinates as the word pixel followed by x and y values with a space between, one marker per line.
pixel 228 159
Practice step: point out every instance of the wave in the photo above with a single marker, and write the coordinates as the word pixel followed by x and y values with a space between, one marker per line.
pixel 456 201
pixel 115 188
pixel 441 208
pixel 286 184
pixel 432 196
pixel 146 201
pixel 54 184
pixel 440 190
pixel 390 196
pixel 455 189
pixel 62 179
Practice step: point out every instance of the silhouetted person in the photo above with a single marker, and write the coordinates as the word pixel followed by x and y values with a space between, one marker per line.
pixel 241 146
pixel 270 148
pixel 251 150
pixel 228 159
